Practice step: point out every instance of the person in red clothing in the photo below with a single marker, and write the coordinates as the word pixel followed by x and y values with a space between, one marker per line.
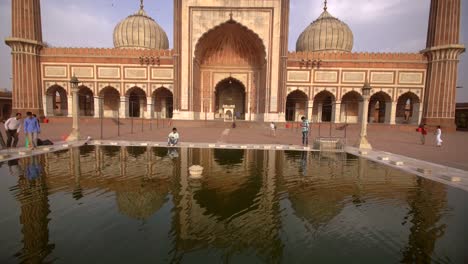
pixel 422 129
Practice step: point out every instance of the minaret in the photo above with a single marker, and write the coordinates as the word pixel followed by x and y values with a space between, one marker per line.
pixel 443 50
pixel 26 43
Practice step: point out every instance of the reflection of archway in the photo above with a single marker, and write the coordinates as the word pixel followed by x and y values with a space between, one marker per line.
pixel 350 107
pixel 323 106
pixel 163 103
pixel 228 156
pixel 86 101
pixel 111 101
pixel 230 92
pixel 228 45
pixel 407 111
pixel 56 101
pixel 296 106
pixel 378 107
pixel 137 102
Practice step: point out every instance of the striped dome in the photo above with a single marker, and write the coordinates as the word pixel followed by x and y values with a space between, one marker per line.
pixel 139 31
pixel 328 34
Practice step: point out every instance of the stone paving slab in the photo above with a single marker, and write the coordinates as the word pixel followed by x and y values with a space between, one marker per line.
pixel 447 175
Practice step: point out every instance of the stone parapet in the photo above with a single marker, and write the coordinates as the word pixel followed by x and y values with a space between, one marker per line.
pixel 363 56
pixel 111 52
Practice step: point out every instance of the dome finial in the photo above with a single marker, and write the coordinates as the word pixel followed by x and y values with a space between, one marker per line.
pixel 325 6
pixel 141 5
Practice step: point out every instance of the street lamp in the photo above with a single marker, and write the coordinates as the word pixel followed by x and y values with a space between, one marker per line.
pixel 75 134
pixel 362 142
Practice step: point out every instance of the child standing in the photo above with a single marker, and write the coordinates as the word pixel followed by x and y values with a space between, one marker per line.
pixel 438 134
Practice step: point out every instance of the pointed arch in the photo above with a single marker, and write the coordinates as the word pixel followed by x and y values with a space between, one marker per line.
pixel 408 108
pixel 85 101
pixel 323 106
pixel 137 102
pixel 351 107
pixel 296 105
pixel 231 91
pixel 111 101
pixel 56 101
pixel 378 107
pixel 163 102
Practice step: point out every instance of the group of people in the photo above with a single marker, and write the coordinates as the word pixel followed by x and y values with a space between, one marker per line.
pixel 13 127
pixel 423 131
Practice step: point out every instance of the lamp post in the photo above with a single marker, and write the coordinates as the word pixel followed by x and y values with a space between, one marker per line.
pixel 75 134
pixel 362 142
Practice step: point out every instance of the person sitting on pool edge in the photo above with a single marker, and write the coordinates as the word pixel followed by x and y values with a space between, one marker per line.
pixel 173 138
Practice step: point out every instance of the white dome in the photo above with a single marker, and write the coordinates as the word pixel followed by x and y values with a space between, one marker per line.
pixel 139 31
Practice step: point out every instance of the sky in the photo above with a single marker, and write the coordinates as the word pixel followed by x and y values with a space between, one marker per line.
pixel 378 25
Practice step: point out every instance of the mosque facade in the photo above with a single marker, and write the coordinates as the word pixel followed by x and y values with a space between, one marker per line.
pixel 231 59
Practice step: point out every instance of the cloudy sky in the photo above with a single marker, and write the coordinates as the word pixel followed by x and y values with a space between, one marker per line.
pixel 378 25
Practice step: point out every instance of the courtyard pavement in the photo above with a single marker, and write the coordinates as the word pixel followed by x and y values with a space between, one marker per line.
pixel 402 140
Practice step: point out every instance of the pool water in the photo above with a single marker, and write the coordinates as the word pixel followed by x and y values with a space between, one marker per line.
pixel 139 205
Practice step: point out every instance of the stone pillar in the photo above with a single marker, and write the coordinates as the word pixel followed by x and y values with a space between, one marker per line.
pixel 75 134
pixel 415 114
pixel 26 44
pixel 149 107
pixel 360 109
pixel 70 105
pixel 97 107
pixel 336 112
pixel 48 102
pixel 443 50
pixel 163 109
pixel 390 112
pixel 310 110
pixel 319 113
pixel 123 110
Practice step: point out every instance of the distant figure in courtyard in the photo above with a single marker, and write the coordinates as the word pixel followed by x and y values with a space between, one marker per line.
pixel 173 138
pixel 12 128
pixel 273 129
pixel 422 129
pixel 305 131
pixel 31 129
pixel 438 135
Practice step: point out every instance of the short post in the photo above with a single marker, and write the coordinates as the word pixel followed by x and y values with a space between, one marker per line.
pixel 363 143
pixel 75 134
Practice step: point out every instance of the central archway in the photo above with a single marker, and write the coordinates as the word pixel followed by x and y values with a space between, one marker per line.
pixel 226 50
pixel 230 92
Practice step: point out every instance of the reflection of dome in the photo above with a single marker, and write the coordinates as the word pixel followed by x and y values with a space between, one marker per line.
pixel 139 31
pixel 318 207
pixel 141 203
pixel 327 33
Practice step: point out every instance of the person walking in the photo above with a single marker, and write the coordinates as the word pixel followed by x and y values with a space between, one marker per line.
pixel 173 138
pixel 422 129
pixel 438 135
pixel 305 131
pixel 31 129
pixel 273 129
pixel 12 128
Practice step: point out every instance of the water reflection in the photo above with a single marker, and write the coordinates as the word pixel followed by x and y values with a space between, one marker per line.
pixel 32 195
pixel 265 206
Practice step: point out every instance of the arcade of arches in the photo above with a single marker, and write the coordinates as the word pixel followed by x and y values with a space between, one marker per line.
pixel 325 108
pixel 110 103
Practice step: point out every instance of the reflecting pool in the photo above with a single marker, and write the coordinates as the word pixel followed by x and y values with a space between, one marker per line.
pixel 100 204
